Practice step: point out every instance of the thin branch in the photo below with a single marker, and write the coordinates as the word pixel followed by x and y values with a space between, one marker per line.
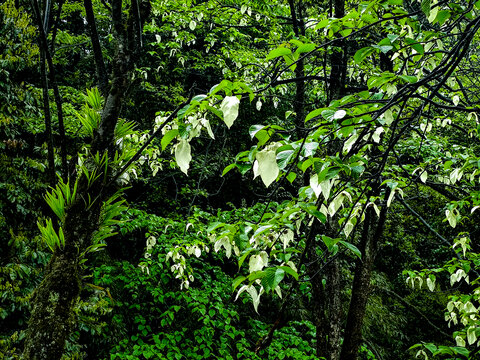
pixel 415 309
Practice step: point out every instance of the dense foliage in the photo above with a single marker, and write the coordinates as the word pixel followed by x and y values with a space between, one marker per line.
pixel 239 179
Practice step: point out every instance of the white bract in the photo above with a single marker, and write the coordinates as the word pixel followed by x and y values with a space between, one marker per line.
pixel 229 108
pixel 267 164
pixel 183 155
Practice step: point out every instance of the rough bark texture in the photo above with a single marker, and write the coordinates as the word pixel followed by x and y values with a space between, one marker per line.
pixel 52 318
pixel 326 304
pixel 370 238
pixel 299 103
pixel 319 303
pixel 338 61
pixel 335 310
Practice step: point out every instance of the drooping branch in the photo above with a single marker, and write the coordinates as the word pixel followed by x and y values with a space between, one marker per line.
pixel 414 309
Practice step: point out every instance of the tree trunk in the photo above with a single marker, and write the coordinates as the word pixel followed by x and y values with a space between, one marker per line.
pixel 53 302
pixel 334 310
pixel 52 318
pixel 299 102
pixel 326 303
pixel 338 61
pixel 370 239
pixel 319 303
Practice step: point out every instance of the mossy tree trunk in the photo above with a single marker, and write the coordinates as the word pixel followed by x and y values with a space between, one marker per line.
pixel 52 318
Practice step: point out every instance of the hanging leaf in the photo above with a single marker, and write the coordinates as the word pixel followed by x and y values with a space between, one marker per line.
pixel 267 166
pixel 255 263
pixel 183 155
pixel 315 185
pixel 451 217
pixel 471 335
pixel 456 99
pixel 255 169
pixel 431 283
pixel 423 177
pixel 229 108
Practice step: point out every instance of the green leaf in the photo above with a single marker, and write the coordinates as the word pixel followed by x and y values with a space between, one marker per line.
pixel 379 81
pixel 281 51
pixel 228 168
pixel 289 271
pixel 215 111
pixel 430 347
pixel 329 242
pixel 224 85
pixel 262 229
pixel 243 257
pixel 415 45
pixel 291 177
pixel 243 168
pixel 409 78
pixel 312 210
pixel 283 158
pixel 426 6
pixel 329 114
pixel 263 136
pixel 272 278
pixel 168 137
pixel 181 113
pixel 199 97
pixel 305 48
pixel 442 16
pixel 255 275
pixel 361 54
pixel 213 226
pixel 460 350
pixel 313 114
pixel 352 248
pixel 289 60
pixel 254 129
pixel 383 48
